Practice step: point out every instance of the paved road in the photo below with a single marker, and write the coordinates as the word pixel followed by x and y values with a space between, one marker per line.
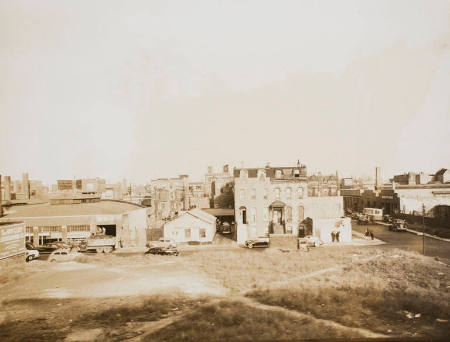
pixel 407 241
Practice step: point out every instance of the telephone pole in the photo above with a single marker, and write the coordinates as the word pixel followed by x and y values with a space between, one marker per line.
pixel 423 228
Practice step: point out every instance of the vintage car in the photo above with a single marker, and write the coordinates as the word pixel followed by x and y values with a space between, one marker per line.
pixel 310 241
pixel 31 252
pixel 388 218
pixel 163 251
pixel 363 219
pixel 354 216
pixel 398 226
pixel 61 255
pixel 262 241
pixel 226 228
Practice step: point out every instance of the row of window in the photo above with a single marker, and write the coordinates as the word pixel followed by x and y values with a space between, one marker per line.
pixel 276 216
pixel 278 193
pixel 187 233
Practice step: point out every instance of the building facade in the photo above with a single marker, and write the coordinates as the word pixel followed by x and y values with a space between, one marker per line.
pixel 274 200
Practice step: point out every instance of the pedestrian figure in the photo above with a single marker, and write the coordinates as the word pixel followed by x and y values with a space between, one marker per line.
pixel 333 236
pixel 337 236
pixel 367 233
pixel 371 235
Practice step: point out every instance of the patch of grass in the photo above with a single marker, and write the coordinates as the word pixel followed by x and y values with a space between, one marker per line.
pixel 235 321
pixel 149 310
pixel 376 295
pixel 243 269
pixel 40 319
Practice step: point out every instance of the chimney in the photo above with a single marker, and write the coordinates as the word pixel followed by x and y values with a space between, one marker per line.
pixel 25 186
pixel 298 162
pixel 378 181
pixel 7 187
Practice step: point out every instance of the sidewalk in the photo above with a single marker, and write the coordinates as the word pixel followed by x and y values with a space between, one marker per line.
pixel 416 232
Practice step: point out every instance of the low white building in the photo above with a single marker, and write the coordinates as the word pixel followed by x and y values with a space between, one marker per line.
pixel 193 225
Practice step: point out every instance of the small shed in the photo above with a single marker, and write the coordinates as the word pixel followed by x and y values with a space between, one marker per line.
pixel 193 225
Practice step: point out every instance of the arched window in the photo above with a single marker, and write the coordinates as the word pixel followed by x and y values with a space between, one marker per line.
pixel 278 174
pixel 288 193
pixel 242 194
pixel 277 193
pixel 300 192
pixel 262 175
pixel 288 214
pixel 253 215
pixel 301 213
pixel 266 214
pixel 243 215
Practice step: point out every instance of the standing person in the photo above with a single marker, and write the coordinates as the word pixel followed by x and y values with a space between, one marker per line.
pixel 333 236
pixel 371 235
pixel 337 236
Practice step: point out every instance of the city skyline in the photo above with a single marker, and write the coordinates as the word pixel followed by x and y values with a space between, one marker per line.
pixel 156 89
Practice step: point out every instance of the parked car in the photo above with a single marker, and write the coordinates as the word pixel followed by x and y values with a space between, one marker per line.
pixel 163 251
pixel 398 225
pixel 61 255
pixel 311 241
pixel 354 216
pixel 363 219
pixel 31 253
pixel 388 218
pixel 262 241
pixel 226 228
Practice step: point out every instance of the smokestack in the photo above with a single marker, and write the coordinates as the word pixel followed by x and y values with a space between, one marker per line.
pixel 378 181
pixel 25 186
pixel 7 187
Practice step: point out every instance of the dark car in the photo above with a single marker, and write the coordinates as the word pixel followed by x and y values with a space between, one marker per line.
pixel 226 228
pixel 354 216
pixel 162 251
pixel 388 218
pixel 363 219
pixel 258 242
pixel 398 226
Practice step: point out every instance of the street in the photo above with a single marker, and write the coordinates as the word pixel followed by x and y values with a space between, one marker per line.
pixel 407 241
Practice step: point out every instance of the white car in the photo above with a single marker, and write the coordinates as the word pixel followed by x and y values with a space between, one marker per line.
pixel 63 255
pixel 31 253
pixel 310 240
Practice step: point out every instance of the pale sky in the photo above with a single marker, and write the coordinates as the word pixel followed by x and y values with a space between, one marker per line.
pixel 146 89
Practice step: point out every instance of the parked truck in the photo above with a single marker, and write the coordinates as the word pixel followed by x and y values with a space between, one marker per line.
pixel 101 243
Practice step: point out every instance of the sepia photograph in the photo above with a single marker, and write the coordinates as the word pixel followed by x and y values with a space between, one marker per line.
pixel 224 170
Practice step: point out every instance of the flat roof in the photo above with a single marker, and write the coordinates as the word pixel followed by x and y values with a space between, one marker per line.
pixel 219 211
pixel 104 207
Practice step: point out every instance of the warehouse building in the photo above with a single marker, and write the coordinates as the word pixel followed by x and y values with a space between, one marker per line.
pixel 77 221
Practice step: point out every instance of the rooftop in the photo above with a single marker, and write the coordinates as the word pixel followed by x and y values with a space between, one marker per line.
pixel 104 207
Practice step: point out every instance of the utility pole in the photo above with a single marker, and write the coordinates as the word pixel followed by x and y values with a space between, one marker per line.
pixel 423 228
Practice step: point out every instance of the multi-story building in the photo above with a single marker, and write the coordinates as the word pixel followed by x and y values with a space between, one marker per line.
pixel 274 200
pixel 323 185
pixel 169 196
pixel 197 196
pixel 409 193
pixel 217 182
